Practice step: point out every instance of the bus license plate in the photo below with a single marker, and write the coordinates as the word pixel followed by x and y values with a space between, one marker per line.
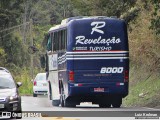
pixel 1 105
pixel 98 89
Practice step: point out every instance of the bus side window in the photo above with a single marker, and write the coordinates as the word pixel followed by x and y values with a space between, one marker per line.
pixel 60 40
pixel 61 32
pixel 53 41
pixel 49 44
pixel 63 39
pixel 56 41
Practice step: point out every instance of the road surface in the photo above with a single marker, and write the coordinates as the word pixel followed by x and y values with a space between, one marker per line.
pixel 40 105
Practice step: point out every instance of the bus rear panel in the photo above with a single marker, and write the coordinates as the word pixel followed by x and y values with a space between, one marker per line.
pixel 97 61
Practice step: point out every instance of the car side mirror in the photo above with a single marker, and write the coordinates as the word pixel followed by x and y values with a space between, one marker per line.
pixel 19 84
pixel 42 60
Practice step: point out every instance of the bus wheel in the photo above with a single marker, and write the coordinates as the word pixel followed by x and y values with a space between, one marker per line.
pixel 62 101
pixel 50 92
pixel 69 103
pixel 55 102
pixel 116 103
pixel 102 105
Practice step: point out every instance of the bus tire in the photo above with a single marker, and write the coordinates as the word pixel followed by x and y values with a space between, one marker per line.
pixel 62 98
pixel 55 102
pixel 116 105
pixel 102 105
pixel 49 91
pixel 50 96
pixel 117 101
pixel 62 101
pixel 69 103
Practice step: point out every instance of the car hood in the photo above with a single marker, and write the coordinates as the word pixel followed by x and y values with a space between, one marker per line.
pixel 7 92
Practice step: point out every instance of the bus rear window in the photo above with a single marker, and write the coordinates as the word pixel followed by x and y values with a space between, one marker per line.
pixel 104 35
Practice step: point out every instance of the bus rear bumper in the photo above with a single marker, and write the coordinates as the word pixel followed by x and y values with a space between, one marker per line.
pixel 98 89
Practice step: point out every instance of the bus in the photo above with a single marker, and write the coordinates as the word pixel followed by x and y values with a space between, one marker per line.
pixel 87 60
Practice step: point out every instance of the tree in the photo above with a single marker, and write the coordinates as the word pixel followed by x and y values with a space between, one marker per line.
pixel 12 50
pixel 103 7
pixel 155 21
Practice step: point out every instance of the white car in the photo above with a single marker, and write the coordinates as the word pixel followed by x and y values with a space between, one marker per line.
pixel 5 73
pixel 40 85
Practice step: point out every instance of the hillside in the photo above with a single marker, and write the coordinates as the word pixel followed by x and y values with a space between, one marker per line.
pixel 144 61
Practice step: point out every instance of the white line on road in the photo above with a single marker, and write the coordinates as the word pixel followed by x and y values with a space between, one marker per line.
pixel 155 109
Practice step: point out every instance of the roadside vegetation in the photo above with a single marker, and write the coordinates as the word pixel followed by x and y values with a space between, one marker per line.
pixel 144 43
pixel 26 88
pixel 24 23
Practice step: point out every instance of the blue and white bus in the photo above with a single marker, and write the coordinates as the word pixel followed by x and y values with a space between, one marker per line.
pixel 88 61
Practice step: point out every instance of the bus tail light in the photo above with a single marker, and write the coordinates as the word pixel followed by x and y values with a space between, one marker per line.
pixel 71 76
pixel 126 76
pixel 119 84
pixel 78 85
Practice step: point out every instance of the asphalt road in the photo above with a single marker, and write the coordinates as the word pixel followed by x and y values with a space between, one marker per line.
pixel 42 108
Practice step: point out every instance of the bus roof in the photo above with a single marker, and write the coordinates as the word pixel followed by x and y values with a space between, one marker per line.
pixel 54 28
pixel 68 20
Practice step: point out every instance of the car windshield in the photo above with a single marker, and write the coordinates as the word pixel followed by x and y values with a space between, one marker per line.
pixel 6 83
pixel 5 74
pixel 41 77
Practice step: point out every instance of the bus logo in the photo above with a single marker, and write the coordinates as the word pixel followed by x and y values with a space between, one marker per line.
pixel 111 70
pixel 97 26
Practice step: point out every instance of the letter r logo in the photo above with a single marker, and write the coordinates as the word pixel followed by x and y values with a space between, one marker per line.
pixel 96 27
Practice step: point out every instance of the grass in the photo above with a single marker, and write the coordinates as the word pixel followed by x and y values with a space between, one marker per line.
pixel 27 85
pixel 144 59
pixel 144 93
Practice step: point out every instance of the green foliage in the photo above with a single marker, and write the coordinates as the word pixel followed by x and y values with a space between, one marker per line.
pixel 103 7
pixel 49 12
pixel 2 57
pixel 15 50
pixel 155 21
pixel 23 75
pixel 40 31
pixel 10 42
pixel 130 15
pixel 10 10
